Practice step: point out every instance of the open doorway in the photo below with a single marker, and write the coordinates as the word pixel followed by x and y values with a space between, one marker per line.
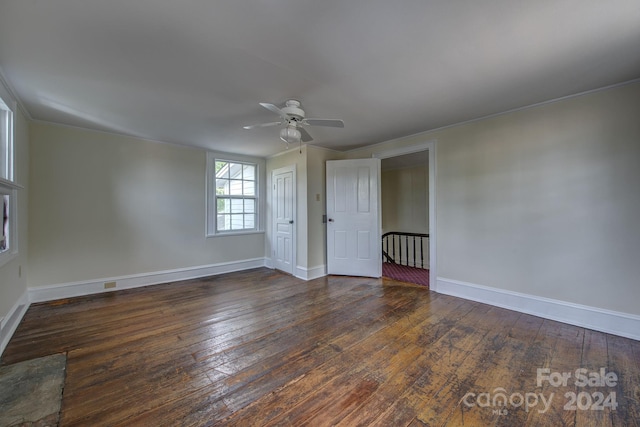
pixel 407 202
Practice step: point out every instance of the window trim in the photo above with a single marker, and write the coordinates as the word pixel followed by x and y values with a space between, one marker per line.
pixel 8 106
pixel 210 204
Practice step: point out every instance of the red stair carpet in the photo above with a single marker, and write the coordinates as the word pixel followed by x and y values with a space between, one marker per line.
pixel 407 274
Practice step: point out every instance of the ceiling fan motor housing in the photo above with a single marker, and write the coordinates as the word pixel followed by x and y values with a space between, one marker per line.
pixel 293 110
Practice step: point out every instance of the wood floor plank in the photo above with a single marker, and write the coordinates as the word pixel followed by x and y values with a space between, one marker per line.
pixel 503 355
pixel 437 393
pixel 137 351
pixel 562 353
pixel 262 348
pixel 594 357
pixel 273 374
pixel 351 348
pixel 433 344
pixel 343 393
pixel 624 360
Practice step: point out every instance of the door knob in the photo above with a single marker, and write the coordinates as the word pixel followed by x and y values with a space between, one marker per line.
pixel 330 220
pixel 290 221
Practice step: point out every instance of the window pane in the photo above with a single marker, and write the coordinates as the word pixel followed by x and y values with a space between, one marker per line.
pixel 224 205
pixel 249 188
pixel 222 171
pixel 223 222
pixel 4 141
pixel 235 187
pixel 235 171
pixel 4 232
pixel 249 172
pixel 249 221
pixel 222 186
pixel 4 148
pixel 249 206
pixel 237 206
pixel 237 222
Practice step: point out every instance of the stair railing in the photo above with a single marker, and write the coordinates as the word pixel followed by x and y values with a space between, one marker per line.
pixel 404 248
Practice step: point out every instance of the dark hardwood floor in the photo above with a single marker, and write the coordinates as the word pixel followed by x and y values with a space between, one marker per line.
pixel 262 348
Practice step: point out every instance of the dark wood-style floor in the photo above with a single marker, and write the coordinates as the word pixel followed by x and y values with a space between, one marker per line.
pixel 262 348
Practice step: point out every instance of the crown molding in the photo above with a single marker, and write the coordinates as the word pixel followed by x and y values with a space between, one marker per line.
pixel 9 88
pixel 490 116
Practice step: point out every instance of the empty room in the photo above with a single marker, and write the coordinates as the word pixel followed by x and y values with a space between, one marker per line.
pixel 270 213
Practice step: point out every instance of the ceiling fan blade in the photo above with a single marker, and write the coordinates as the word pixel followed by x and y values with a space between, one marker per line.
pixel 275 109
pixel 304 135
pixel 324 122
pixel 262 125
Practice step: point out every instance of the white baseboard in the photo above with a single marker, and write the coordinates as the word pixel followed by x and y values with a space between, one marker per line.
pixel 10 322
pixel 611 322
pixel 302 272
pixel 75 289
pixel 311 273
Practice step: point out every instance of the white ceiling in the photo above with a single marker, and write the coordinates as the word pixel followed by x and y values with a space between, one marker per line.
pixel 192 72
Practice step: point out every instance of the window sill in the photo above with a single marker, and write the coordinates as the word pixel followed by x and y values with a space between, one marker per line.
pixel 5 257
pixel 10 184
pixel 235 233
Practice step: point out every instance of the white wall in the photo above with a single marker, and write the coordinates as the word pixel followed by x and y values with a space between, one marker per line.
pixel 405 200
pixel 543 201
pixel 104 206
pixel 405 208
pixel 316 203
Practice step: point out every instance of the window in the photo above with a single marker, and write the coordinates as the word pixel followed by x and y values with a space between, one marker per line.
pixel 6 141
pixel 4 232
pixel 8 188
pixel 8 215
pixel 235 196
pixel 233 204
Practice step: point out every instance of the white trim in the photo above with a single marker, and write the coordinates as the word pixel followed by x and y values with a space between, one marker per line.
pixel 120 134
pixel 268 262
pixel 429 146
pixel 311 273
pixel 10 184
pixel 7 256
pixel 13 250
pixel 291 150
pixel 8 89
pixel 233 233
pixel 96 286
pixel 608 321
pixel 10 322
pixel 433 223
pixel 210 196
pixel 401 151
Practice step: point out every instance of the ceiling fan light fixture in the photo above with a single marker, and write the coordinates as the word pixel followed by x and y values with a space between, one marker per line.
pixel 293 116
pixel 290 134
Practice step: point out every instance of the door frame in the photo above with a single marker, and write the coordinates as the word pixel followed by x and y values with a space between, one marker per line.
pixel 294 212
pixel 429 146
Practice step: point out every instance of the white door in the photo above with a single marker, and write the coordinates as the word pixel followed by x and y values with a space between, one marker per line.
pixel 283 181
pixel 353 217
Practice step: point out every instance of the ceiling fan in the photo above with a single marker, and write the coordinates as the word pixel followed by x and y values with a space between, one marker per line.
pixel 293 118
